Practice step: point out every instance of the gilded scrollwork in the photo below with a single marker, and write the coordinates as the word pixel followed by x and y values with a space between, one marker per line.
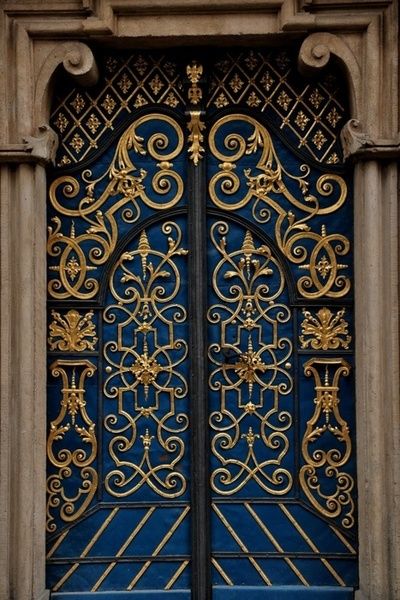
pixel 325 330
pixel 99 203
pixel 269 190
pixel 72 332
pixel 71 489
pixel 326 445
pixel 196 137
pixel 146 363
pixel 250 366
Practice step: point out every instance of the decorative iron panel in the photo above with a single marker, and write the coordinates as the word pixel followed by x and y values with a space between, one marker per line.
pixel 247 143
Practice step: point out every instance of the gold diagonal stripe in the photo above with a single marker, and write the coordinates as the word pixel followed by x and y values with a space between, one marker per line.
pixel 274 541
pixel 124 546
pixel 220 570
pixel 65 577
pixel 103 576
pixel 333 572
pixel 92 542
pixel 241 545
pixel 159 547
pixel 177 573
pixel 312 545
pixel 58 541
pixel 343 539
pixel 98 533
pixel 299 528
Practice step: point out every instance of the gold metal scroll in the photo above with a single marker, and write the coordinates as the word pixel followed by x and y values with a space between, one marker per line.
pixel 145 362
pixel 79 254
pixel 251 372
pixel 74 461
pixel 326 445
pixel 317 252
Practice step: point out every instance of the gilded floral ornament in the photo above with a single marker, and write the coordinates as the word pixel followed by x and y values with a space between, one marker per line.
pixel 146 362
pixel 196 138
pixel 270 193
pixel 71 446
pixel 326 445
pixel 325 330
pixel 72 332
pixel 194 73
pixel 89 202
pixel 250 362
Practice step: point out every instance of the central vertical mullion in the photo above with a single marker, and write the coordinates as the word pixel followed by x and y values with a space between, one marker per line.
pixel 200 494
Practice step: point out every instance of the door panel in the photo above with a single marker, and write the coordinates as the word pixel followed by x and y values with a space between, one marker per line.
pixel 281 449
pixel 270 490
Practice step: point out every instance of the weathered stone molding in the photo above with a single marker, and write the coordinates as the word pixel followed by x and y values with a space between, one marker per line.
pixel 360 146
pixel 79 62
pixel 40 149
pixel 354 139
pixel 43 146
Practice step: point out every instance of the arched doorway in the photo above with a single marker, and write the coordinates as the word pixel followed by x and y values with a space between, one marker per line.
pixel 215 242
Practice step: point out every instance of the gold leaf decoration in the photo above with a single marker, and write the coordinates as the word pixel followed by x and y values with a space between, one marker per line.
pixel 72 332
pixel 325 330
pixel 72 487
pixel 326 445
pixel 195 138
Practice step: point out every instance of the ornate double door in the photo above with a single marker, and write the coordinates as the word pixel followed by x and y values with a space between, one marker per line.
pixel 201 406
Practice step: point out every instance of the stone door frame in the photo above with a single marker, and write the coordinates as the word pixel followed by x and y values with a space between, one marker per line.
pixel 36 37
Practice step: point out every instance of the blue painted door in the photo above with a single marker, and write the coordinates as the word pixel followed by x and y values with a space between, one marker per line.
pixel 136 506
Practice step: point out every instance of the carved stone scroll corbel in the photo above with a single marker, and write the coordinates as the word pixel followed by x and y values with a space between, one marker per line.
pixel 77 59
pixel 315 53
pixel 353 138
pixel 80 63
pixel 43 146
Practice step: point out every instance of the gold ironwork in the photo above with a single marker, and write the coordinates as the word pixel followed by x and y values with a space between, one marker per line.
pixel 72 332
pixel 73 424
pixel 195 138
pixel 325 330
pixel 83 119
pixel 323 460
pixel 312 251
pixel 125 184
pixel 266 82
pixel 248 313
pixel 194 72
pixel 149 370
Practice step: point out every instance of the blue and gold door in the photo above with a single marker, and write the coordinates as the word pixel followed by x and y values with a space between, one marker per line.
pixel 201 388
